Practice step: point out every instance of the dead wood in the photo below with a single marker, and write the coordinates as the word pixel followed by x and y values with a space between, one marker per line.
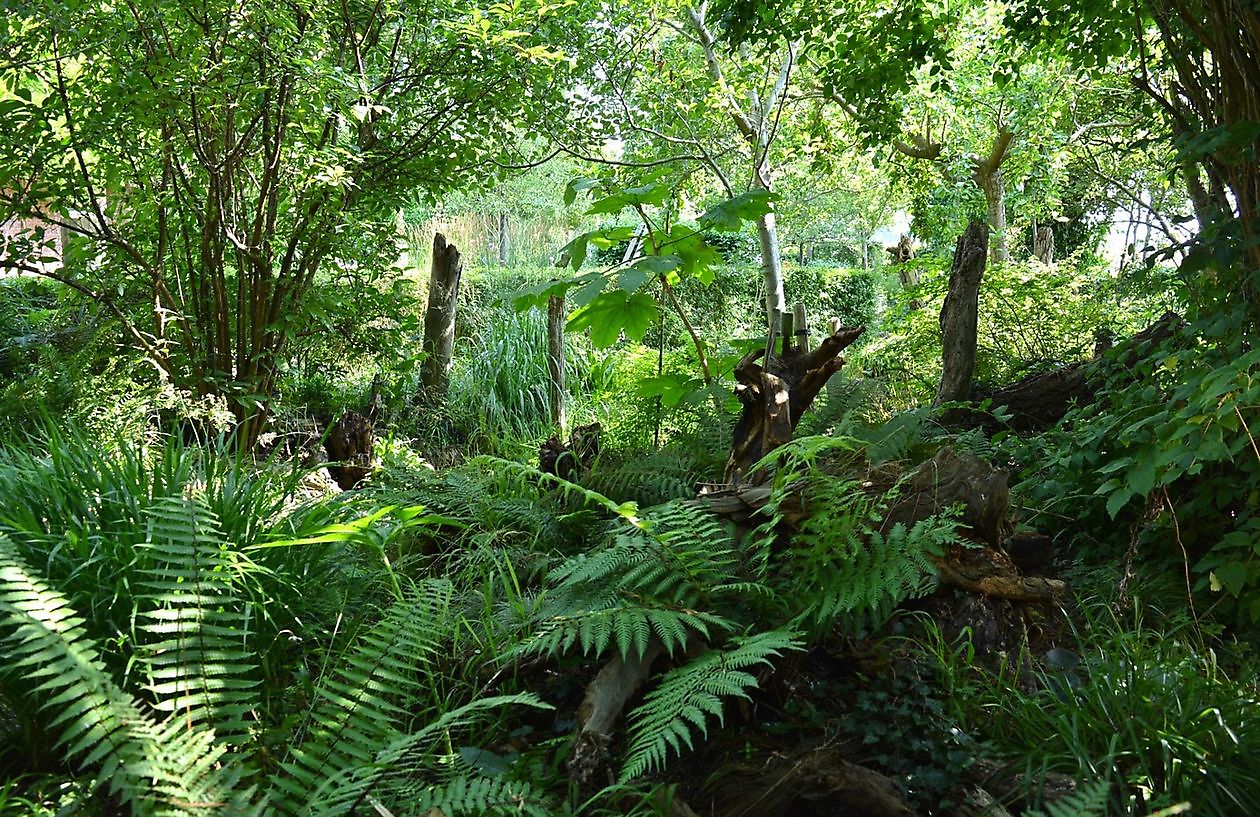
pixel 812 781
pixel 590 758
pixel 1041 400
pixel 960 314
pixel 350 449
pixel 946 481
pixel 775 395
pixel 570 460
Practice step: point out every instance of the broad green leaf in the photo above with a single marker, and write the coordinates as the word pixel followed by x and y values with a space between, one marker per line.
pixel 732 213
pixel 612 313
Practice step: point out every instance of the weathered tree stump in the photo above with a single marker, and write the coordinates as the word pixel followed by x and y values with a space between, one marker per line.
pixel 439 317
pixel 572 460
pixel 775 397
pixel 959 314
pixel 349 446
pixel 555 360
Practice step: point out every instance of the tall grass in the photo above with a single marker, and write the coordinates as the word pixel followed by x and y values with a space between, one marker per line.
pixel 1145 710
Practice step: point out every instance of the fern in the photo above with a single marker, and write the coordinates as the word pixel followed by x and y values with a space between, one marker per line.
pixel 363 706
pixel 688 696
pixel 199 666
pixel 396 770
pixel 838 564
pixel 649 479
pixel 476 796
pixel 161 768
pixel 658 580
pixel 1088 801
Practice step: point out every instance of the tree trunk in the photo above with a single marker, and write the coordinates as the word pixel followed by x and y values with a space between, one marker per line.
pixel 555 360
pixel 959 315
pixel 994 188
pixel 1043 244
pixel 350 448
pixel 775 397
pixel 504 246
pixel 771 267
pixel 899 256
pixel 439 318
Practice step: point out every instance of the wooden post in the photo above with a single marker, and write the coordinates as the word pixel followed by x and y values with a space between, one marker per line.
pixel 801 335
pixel 959 314
pixel 439 317
pixel 555 360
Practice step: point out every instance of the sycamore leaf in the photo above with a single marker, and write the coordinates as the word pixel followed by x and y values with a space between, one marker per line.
pixel 612 313
pixel 650 194
pixel 579 185
pixel 732 213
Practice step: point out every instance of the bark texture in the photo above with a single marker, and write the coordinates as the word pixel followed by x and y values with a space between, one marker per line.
pixel 439 317
pixel 959 315
pixel 555 360
pixel 776 394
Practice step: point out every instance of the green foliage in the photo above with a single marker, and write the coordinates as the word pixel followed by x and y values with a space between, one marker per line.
pixel 840 563
pixel 654 581
pixel 688 696
pixel 1153 719
pixel 1176 444
pixel 1088 801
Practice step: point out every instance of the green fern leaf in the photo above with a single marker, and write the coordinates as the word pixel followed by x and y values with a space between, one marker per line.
pixel 689 696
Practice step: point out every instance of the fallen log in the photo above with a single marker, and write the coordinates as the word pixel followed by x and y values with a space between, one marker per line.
pixel 1041 400
pixel 948 480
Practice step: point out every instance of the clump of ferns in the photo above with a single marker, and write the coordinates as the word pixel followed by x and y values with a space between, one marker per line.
pixel 179 733
pixel 838 564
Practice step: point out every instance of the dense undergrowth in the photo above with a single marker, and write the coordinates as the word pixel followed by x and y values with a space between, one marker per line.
pixel 187 627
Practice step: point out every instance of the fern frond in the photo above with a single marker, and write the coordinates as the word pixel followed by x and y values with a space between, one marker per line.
pixel 476 796
pixel 392 772
pixel 199 664
pixel 365 704
pixel 158 768
pixel 657 580
pixel 688 696
pixel 1088 801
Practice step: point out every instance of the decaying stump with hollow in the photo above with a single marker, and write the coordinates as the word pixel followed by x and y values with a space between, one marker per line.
pixel 570 460
pixel 349 445
pixel 775 395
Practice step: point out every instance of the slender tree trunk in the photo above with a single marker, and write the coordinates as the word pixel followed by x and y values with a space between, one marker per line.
pixel 771 267
pixel 555 360
pixel 439 318
pixel 504 246
pixel 994 188
pixel 959 315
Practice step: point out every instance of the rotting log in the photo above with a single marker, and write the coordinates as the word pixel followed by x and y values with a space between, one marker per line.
pixel 1041 400
pixel 590 757
pixel 948 480
pixel 960 315
pixel 775 395
pixel 816 781
pixel 439 317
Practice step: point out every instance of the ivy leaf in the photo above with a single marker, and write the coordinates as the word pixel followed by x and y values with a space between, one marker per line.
pixel 612 313
pixel 732 213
